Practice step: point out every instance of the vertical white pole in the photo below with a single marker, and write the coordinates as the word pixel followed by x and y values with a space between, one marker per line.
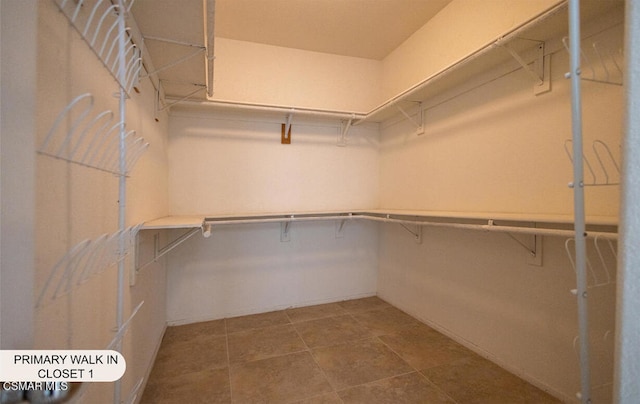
pixel 122 72
pixel 578 200
pixel 627 357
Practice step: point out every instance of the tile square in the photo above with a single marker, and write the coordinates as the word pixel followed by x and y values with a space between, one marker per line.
pixel 364 304
pixel 299 314
pixel 254 321
pixel 423 347
pixel 277 380
pixel 404 389
pixel 207 386
pixel 331 331
pixel 190 355
pixel 386 321
pixel 263 343
pixel 359 362
pixel 477 380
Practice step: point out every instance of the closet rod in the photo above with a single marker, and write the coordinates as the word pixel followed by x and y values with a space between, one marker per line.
pixel 277 108
pixel 497 228
pixel 282 218
pixel 389 219
pixel 404 96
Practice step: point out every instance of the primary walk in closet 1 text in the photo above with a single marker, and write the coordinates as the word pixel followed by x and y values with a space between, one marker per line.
pixel 161 167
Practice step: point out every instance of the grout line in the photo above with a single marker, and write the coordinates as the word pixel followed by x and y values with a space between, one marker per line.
pixel 307 348
pixel 437 387
pixel 226 337
pixel 410 365
pixel 310 350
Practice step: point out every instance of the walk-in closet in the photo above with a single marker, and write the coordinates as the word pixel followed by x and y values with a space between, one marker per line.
pixel 337 201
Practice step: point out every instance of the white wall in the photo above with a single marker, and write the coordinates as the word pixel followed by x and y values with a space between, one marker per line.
pixel 251 72
pixel 498 148
pixel 258 73
pixel 246 269
pixel 477 288
pixel 17 173
pixel 225 163
pixel 457 30
pixel 76 203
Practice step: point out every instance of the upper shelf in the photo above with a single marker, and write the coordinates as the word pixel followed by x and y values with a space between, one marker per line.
pixel 523 40
pixel 174 222
pixel 544 224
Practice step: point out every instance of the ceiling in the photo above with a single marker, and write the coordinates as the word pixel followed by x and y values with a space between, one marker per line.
pixel 362 28
pixel 174 30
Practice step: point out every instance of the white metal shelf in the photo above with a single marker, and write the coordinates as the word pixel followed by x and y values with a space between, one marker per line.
pixel 535 225
pixel 546 224
pixel 520 47
pixel 521 43
pixel 174 222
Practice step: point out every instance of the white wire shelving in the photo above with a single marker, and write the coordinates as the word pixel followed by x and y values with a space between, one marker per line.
pixel 91 139
pixel 99 140
pixel 85 260
pixel 527 46
pixel 607 169
pixel 97 23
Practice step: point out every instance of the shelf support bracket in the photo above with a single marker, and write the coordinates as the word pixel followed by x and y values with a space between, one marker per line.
pixel 346 126
pixel 176 62
pixel 159 252
pixel 340 228
pixel 417 233
pixel 286 130
pixel 419 125
pixel 541 69
pixel 535 253
pixel 285 234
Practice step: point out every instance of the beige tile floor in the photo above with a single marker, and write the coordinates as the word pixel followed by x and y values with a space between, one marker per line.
pixel 357 351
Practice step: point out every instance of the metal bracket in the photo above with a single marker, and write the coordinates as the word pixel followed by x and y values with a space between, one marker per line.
pixel 419 125
pixel 535 253
pixel 286 130
pixel 545 87
pixel 340 228
pixel 536 259
pixel 158 251
pixel 541 69
pixel 174 63
pixel 417 234
pixel 346 125
pixel 285 234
